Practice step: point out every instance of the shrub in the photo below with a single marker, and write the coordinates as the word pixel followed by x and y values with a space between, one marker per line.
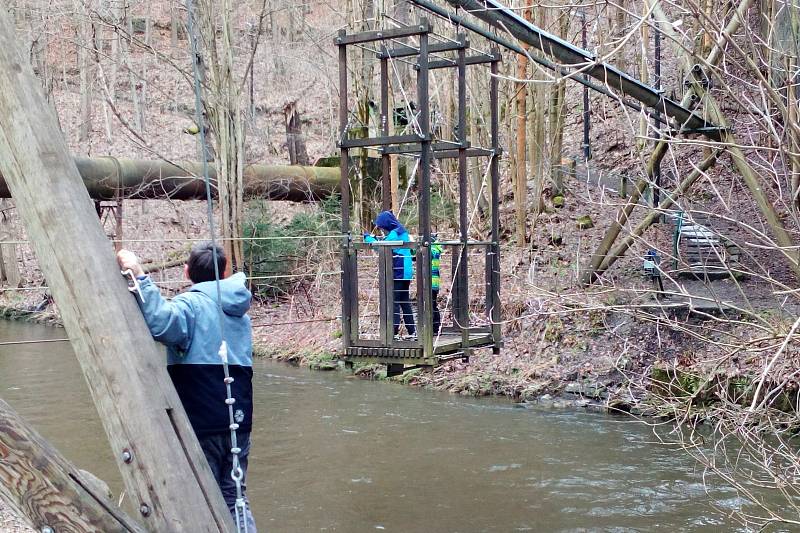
pixel 280 258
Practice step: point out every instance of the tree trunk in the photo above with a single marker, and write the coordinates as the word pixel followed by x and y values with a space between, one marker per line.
pixel 85 60
pixel 137 105
pixel 644 77
pixel 394 177
pixel 558 115
pixel 105 177
pixel 47 490
pixel 794 138
pixel 521 178
pixel 223 105
pixel 538 128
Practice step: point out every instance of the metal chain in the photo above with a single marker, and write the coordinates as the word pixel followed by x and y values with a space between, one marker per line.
pixel 237 474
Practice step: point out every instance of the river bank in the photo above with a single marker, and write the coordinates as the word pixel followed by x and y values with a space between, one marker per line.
pixel 583 351
pixel 504 468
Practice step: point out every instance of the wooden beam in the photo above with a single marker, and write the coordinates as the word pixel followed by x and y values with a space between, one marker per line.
pixel 381 35
pixel 167 476
pixel 39 484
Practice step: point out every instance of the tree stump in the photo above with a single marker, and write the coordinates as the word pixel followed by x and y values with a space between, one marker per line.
pixel 295 143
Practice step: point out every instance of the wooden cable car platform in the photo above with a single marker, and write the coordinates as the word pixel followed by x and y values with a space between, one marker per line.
pixel 369 286
pixel 446 347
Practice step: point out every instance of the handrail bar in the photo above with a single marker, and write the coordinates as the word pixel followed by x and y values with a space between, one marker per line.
pixel 391 244
pixel 469 243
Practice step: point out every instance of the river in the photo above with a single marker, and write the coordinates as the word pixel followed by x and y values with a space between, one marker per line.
pixel 333 453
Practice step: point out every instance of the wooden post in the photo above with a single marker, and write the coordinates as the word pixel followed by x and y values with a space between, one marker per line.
pixel 167 476
pixel 41 485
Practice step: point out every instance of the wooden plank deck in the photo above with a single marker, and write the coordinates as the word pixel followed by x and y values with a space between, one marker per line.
pixel 451 342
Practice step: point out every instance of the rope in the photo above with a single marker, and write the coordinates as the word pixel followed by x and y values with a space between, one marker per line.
pixel 240 508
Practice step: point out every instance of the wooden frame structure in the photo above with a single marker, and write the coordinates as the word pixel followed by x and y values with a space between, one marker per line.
pixel 430 347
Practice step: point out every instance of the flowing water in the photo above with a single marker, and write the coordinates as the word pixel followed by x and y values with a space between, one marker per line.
pixel 332 453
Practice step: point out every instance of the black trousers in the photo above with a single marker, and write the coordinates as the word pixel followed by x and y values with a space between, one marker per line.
pixel 437 317
pixel 217 449
pixel 402 306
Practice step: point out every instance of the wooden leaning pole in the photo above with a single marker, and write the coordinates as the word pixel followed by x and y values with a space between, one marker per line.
pixel 42 486
pixel 165 473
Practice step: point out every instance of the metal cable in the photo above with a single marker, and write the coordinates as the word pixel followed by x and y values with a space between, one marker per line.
pixel 198 239
pixel 37 341
pixel 181 281
pixel 240 507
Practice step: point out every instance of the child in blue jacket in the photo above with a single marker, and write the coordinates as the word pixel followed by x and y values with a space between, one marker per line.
pixel 402 269
pixel 189 326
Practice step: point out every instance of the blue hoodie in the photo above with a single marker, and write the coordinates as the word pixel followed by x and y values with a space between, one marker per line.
pixel 402 267
pixel 189 326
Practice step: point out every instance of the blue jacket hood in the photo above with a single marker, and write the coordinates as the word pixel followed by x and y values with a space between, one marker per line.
pixel 235 295
pixel 387 221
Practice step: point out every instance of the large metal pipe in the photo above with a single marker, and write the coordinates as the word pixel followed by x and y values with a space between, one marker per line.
pixel 505 43
pixel 499 16
pixel 107 177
